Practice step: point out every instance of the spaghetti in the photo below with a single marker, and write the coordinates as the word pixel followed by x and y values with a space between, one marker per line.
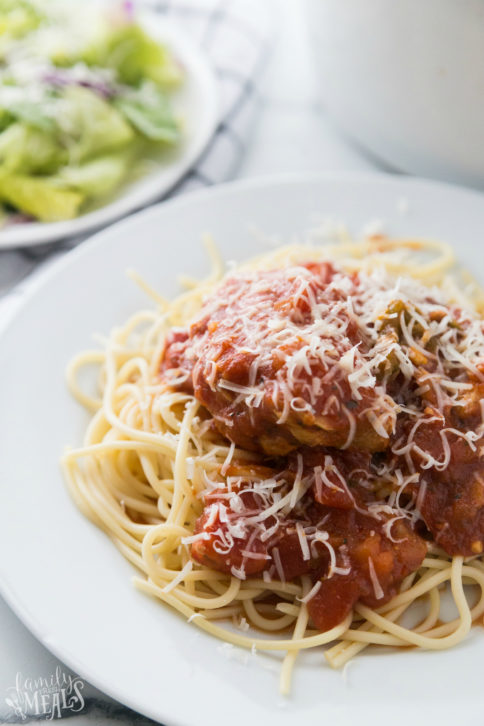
pixel 231 491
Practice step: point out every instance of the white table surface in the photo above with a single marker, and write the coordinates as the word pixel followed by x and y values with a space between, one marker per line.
pixel 292 134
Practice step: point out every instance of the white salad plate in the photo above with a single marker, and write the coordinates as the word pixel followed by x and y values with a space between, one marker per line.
pixel 195 102
pixel 64 578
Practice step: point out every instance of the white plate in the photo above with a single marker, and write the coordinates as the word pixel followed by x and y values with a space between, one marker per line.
pixel 196 102
pixel 65 579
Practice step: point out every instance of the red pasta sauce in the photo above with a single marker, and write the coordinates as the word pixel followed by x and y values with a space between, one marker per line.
pixel 360 398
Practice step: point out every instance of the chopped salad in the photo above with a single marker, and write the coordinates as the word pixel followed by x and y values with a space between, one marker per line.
pixel 85 103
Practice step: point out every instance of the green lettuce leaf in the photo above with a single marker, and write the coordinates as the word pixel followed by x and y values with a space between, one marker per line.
pixel 135 56
pixel 40 197
pixel 18 17
pixel 33 114
pixel 28 150
pixel 91 125
pixel 98 177
pixel 148 110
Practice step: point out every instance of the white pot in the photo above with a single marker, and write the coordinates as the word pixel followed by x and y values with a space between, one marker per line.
pixel 405 78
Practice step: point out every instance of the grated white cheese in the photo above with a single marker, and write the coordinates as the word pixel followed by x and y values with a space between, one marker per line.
pixel 377 588
pixel 179 578
pixel 312 592
pixel 303 542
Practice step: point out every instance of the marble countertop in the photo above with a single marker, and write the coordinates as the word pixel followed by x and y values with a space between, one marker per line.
pixel 292 134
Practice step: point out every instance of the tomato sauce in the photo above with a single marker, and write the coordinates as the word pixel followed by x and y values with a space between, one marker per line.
pixel 241 344
pixel 370 563
pixel 377 469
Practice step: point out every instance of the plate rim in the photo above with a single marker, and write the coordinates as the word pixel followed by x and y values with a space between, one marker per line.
pixel 35 234
pixel 31 289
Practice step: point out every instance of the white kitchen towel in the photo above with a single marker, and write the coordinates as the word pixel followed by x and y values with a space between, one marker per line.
pixel 236 36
